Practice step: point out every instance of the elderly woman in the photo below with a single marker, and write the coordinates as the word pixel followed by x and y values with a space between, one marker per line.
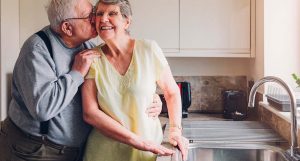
pixel 122 83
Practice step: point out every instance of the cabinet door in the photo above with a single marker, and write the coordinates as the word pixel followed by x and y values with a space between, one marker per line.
pixel 215 26
pixel 157 20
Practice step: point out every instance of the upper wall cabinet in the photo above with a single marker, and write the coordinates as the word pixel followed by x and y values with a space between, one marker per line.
pixel 215 27
pixel 157 20
pixel 197 28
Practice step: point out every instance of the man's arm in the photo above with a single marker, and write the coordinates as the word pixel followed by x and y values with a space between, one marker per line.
pixel 43 92
pixel 155 107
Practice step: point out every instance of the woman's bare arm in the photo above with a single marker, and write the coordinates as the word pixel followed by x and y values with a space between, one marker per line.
pixel 173 99
pixel 110 127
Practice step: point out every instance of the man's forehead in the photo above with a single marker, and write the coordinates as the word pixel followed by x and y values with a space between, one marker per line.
pixel 84 7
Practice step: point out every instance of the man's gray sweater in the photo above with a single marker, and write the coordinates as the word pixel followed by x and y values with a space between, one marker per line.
pixel 46 88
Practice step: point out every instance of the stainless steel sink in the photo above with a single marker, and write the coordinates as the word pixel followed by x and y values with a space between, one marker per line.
pixel 233 152
pixel 230 141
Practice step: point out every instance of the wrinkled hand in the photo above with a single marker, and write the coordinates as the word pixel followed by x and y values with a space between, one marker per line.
pixel 150 146
pixel 83 61
pixel 155 107
pixel 176 139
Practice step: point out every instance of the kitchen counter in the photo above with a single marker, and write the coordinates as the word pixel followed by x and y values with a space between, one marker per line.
pixel 194 117
pixel 213 128
pixel 228 131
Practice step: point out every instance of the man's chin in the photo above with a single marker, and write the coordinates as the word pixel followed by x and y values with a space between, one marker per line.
pixel 93 35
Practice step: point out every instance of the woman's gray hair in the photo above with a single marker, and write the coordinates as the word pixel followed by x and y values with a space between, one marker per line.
pixel 125 7
pixel 59 10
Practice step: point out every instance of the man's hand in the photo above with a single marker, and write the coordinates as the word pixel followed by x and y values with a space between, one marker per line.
pixel 83 61
pixel 155 107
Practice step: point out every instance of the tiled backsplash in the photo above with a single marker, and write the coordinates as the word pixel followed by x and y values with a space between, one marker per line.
pixel 206 91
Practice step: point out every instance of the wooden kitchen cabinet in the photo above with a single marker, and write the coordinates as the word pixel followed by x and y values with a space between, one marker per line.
pixel 215 27
pixel 157 20
pixel 197 28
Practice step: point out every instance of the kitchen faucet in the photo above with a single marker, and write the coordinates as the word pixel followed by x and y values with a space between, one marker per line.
pixel 294 130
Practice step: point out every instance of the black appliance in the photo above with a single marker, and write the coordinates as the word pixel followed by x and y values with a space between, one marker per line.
pixel 234 104
pixel 186 98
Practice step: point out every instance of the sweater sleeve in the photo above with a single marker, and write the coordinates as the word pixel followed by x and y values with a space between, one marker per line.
pixel 43 93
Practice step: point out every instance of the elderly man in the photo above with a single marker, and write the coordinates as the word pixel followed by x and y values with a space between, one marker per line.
pixel 45 119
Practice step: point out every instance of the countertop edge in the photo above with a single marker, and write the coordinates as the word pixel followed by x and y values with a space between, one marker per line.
pixel 284 115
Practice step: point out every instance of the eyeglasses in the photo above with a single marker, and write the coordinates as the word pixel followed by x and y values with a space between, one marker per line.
pixel 89 17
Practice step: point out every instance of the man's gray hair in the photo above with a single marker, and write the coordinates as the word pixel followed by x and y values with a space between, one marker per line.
pixel 59 10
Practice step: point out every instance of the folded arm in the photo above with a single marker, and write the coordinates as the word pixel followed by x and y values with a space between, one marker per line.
pixel 42 91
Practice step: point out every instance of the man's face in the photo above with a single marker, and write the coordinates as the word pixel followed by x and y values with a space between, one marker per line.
pixel 84 29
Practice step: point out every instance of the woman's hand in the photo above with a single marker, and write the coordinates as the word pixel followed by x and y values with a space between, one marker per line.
pixel 150 146
pixel 176 139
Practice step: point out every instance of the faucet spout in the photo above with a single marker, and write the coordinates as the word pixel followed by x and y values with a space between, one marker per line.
pixel 294 129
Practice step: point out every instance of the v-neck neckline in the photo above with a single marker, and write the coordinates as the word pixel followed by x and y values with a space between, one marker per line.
pixel 113 67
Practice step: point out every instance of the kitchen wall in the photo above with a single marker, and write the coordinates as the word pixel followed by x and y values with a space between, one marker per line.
pixel 33 17
pixel 9 50
pixel 277 43
pixel 282 38
pixel 277 40
pixel 21 18
pixel 209 66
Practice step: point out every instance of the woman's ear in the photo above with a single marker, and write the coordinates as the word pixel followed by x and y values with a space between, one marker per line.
pixel 128 22
pixel 66 28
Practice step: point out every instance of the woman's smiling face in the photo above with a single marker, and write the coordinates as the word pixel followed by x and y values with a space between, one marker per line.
pixel 110 23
